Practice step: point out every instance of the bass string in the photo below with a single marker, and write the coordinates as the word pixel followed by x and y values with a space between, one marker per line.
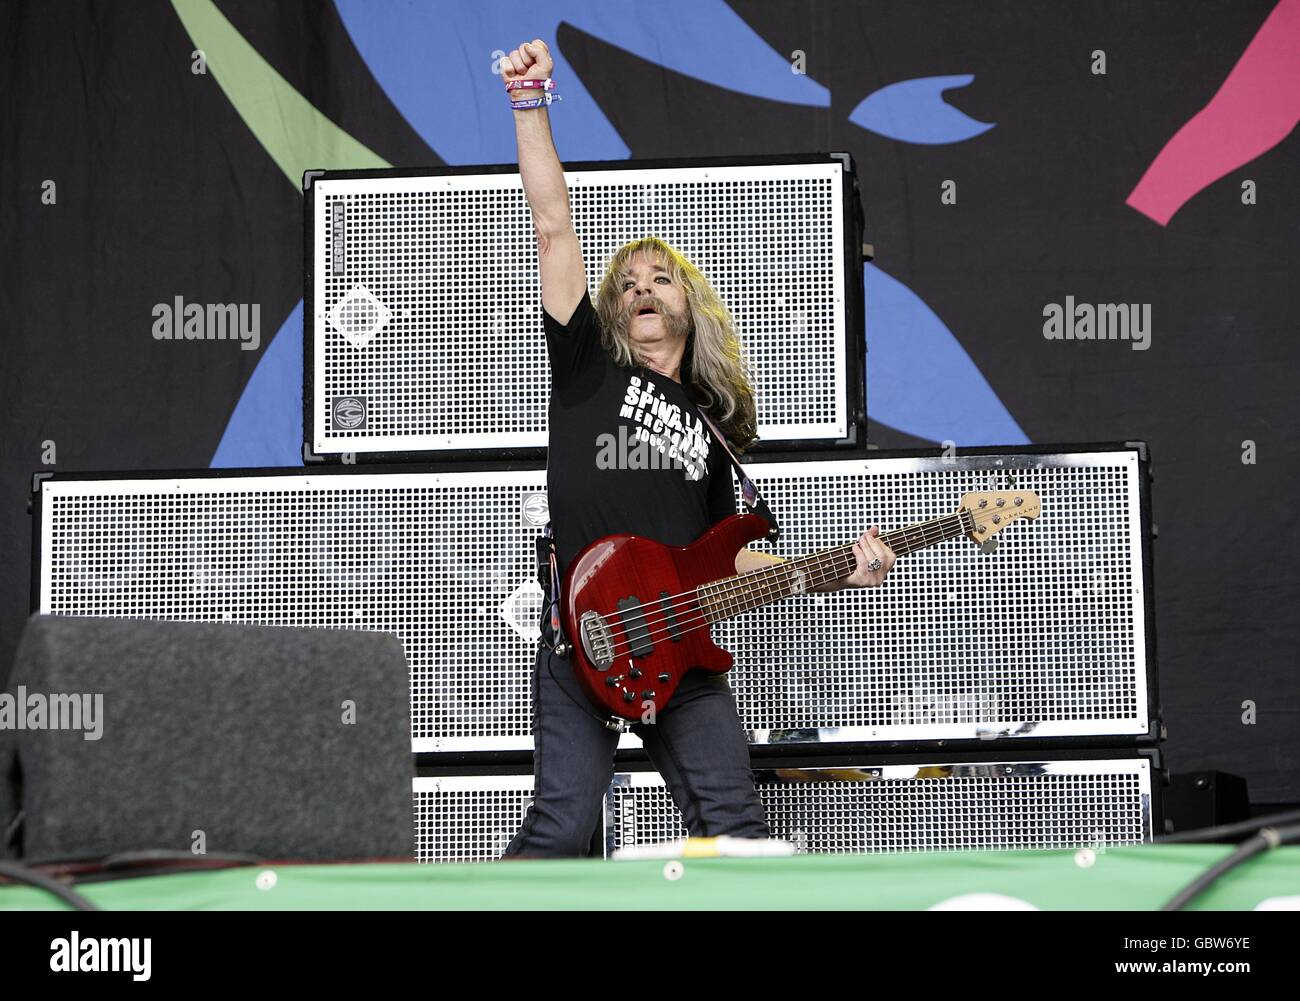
pixel 746 580
pixel 745 584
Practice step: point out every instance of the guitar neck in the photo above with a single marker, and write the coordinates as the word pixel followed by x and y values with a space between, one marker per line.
pixel 733 596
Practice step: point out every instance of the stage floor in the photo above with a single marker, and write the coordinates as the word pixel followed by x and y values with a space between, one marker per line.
pixel 1139 877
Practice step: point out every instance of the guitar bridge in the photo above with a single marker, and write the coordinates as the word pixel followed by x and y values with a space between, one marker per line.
pixel 597 640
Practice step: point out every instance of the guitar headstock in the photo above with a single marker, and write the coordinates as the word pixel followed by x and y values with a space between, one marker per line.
pixel 993 510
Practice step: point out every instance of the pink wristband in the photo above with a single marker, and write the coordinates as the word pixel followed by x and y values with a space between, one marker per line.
pixel 547 84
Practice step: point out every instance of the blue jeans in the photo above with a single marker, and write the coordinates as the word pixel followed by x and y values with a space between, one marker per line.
pixel 696 742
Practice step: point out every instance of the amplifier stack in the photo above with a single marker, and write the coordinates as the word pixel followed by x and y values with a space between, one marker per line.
pixel 989 697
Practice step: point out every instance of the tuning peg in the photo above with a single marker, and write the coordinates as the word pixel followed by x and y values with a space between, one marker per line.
pixel 988 546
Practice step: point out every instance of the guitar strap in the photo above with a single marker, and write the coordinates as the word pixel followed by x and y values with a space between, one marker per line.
pixel 748 492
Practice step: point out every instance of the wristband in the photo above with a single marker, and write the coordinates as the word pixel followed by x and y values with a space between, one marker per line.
pixel 538 102
pixel 547 84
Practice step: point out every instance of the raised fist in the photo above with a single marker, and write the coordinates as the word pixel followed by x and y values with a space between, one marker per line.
pixel 531 61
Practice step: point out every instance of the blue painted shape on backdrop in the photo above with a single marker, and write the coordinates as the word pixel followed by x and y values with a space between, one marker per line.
pixel 266 427
pixel 435 62
pixel 920 379
pixel 914 111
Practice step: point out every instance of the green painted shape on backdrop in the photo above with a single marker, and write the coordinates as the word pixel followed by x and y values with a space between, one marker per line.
pixel 289 127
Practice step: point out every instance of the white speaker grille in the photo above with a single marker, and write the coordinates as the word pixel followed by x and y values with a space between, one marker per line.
pixel 448 263
pixel 446 563
pixel 938 807
pixel 1045 637
pixel 468 819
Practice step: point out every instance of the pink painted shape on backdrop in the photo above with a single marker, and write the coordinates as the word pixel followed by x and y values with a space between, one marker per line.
pixel 1255 109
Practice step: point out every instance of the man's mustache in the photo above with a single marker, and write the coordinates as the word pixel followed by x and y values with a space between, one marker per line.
pixel 635 309
pixel 677 323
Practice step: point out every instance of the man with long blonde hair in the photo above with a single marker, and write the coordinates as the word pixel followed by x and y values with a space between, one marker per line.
pixel 633 376
pixel 714 371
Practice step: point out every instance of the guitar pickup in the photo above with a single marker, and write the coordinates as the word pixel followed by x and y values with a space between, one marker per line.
pixel 634 627
pixel 666 603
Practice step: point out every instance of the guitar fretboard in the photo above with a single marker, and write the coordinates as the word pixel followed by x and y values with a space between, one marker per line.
pixel 731 596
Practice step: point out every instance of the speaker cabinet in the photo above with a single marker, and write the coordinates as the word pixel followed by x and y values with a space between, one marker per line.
pixel 1049 639
pixel 878 805
pixel 422 304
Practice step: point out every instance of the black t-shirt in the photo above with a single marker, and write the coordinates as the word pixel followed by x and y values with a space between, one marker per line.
pixel 606 419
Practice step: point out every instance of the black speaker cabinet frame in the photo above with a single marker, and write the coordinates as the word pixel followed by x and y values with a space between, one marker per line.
pixel 853 310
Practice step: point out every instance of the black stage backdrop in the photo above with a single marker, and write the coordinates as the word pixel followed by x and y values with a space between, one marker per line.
pixel 1012 154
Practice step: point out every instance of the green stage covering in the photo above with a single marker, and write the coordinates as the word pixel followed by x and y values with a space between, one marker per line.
pixel 1127 878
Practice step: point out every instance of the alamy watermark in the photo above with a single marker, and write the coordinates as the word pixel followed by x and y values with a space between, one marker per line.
pixel 1103 322
pixel 664 436
pixel 56 711
pixel 213 321
pixel 634 451
pixel 930 708
pixel 75 954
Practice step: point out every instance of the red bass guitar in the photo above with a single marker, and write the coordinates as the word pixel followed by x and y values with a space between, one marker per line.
pixel 638 613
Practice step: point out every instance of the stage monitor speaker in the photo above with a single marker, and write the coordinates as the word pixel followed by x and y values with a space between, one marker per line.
pixel 1048 639
pixel 138 736
pixel 422 303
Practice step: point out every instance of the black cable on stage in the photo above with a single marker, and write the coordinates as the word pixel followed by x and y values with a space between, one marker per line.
pixel 138 864
pixel 178 855
pixel 1268 838
pixel 22 874
pixel 122 859
pixel 1212 834
pixel 607 722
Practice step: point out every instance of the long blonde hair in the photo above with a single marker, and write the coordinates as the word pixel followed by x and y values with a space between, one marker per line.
pixel 715 372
